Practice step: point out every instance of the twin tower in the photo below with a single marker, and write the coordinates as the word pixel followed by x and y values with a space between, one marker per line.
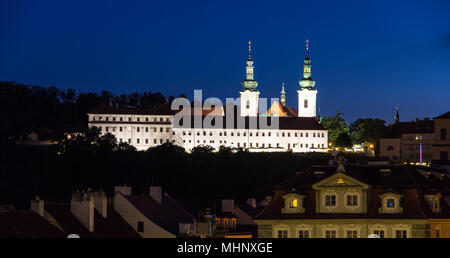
pixel 307 94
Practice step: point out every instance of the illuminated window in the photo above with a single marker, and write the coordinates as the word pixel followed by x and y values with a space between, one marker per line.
pixel 293 203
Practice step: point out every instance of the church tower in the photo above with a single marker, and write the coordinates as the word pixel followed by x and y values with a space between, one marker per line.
pixel 249 95
pixel 307 94
pixel 283 96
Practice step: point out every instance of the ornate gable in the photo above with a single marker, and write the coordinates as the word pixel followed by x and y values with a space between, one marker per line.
pixel 339 180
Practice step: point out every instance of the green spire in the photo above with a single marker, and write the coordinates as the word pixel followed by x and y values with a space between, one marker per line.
pixel 307 82
pixel 283 95
pixel 249 83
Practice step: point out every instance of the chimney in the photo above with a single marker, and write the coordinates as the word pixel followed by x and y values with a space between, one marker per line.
pixel 82 207
pixel 251 202
pixel 156 193
pixel 37 206
pixel 125 190
pixel 101 203
pixel 227 205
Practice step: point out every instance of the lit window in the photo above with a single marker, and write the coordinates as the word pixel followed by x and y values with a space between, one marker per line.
pixel 293 203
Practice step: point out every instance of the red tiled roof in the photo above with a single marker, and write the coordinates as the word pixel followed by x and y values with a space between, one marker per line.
pixel 167 215
pixel 113 226
pixel 26 224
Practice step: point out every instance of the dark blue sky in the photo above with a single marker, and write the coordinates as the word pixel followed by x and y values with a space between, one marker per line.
pixel 367 56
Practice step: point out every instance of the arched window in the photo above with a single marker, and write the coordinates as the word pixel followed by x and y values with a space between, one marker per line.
pixel 306 103
pixel 248 104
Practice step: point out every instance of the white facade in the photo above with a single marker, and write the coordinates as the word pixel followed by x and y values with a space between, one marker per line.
pixel 141 131
pixel 145 131
pixel 307 102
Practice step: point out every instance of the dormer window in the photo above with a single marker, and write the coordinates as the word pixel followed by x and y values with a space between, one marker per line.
pixel 390 203
pixel 293 203
pixel 434 201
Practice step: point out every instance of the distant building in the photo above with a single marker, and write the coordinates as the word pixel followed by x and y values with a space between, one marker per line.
pixel 391 201
pixel 408 141
pixel 156 215
pixel 299 129
pixel 441 139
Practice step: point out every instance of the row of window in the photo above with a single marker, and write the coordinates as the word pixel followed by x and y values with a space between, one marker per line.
pixel 146 141
pixel 263 145
pixel 138 129
pixel 330 201
pixel 129 119
pixel 348 233
pixel 268 134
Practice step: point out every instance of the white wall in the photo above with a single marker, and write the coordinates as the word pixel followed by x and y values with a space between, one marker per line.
pixel 132 216
pixel 310 96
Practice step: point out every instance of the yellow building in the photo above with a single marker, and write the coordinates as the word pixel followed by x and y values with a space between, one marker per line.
pixel 358 201
pixel 441 141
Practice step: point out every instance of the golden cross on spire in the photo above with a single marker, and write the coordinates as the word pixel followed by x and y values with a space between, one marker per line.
pixel 249 47
pixel 307 45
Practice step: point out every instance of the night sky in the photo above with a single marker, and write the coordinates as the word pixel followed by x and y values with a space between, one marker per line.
pixel 366 56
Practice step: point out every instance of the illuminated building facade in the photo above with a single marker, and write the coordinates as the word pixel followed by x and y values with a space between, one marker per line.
pixel 297 130
pixel 408 141
pixel 391 201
